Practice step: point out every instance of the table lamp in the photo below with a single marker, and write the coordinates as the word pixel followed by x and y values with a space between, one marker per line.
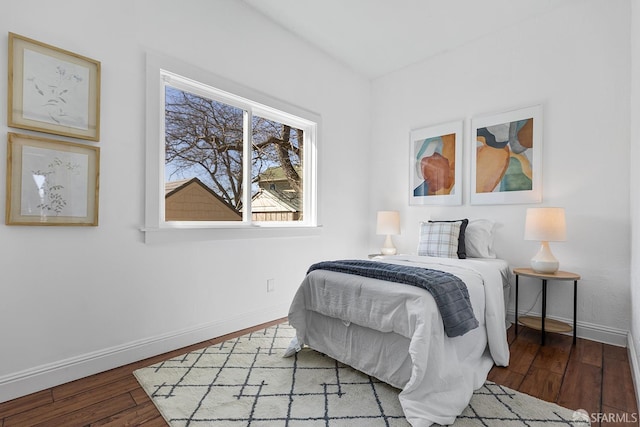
pixel 545 225
pixel 388 223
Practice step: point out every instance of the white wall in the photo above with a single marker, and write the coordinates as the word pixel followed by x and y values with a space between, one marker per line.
pixel 77 300
pixel 575 61
pixel 634 339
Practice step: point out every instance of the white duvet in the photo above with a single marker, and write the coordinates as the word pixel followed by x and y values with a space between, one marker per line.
pixel 394 332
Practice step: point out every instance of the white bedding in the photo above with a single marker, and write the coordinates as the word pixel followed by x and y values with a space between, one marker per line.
pixel 394 332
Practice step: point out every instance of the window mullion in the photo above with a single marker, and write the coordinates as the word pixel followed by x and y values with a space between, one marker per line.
pixel 246 165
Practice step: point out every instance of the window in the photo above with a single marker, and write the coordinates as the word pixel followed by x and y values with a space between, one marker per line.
pixel 219 159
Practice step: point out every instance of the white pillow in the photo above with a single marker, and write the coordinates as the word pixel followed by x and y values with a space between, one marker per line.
pixel 439 239
pixel 479 239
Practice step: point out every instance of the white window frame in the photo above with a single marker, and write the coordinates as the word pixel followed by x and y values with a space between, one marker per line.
pixel 164 71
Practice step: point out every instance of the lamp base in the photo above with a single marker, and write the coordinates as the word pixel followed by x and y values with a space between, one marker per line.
pixel 388 248
pixel 544 261
pixel 544 266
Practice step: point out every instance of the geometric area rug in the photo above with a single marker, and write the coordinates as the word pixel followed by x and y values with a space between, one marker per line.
pixel 246 382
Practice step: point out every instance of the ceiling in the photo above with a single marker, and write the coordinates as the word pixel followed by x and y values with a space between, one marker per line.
pixel 376 37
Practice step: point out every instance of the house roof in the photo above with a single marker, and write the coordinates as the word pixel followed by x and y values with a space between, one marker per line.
pixel 171 186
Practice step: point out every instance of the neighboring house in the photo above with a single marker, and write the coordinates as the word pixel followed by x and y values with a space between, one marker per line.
pixel 191 200
pixel 276 205
pixel 273 178
pixel 276 200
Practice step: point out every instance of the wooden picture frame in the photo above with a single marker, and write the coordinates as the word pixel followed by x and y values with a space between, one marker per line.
pixel 51 182
pixel 52 90
pixel 506 157
pixel 435 165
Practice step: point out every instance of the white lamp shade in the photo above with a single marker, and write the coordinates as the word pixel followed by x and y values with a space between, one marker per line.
pixel 388 222
pixel 545 225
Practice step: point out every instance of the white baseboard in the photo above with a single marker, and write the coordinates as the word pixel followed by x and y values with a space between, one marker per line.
pixel 50 375
pixel 635 368
pixel 590 331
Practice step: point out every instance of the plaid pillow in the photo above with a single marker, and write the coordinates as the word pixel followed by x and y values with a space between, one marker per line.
pixel 439 239
pixel 462 250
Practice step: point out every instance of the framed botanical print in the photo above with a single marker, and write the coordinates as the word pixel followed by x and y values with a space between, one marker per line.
pixel 51 182
pixel 435 165
pixel 52 90
pixel 506 157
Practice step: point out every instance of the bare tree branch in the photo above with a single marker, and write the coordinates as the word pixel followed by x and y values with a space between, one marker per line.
pixel 204 138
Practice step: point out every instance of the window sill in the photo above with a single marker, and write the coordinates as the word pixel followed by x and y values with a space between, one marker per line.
pixel 198 234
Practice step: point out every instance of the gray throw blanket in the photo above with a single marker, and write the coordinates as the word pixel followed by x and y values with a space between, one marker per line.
pixel 450 293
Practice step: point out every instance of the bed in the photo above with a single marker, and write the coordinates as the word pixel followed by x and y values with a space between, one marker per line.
pixel 395 332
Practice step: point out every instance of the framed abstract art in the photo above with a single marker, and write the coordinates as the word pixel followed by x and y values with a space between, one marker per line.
pixel 436 165
pixel 506 157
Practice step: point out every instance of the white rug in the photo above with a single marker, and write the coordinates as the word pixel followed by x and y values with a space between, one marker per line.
pixel 247 382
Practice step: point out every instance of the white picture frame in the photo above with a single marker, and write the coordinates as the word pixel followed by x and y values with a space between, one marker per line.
pixel 506 157
pixel 435 164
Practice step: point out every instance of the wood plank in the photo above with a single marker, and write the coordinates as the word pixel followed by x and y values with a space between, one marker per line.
pixel 156 422
pixel 589 352
pixel 526 352
pixel 72 388
pixel 582 382
pixel 552 359
pixel 616 353
pixel 131 417
pixel 528 335
pixel 505 377
pixel 542 383
pixel 140 396
pixel 560 341
pixel 617 388
pixel 554 356
pixel 74 403
pixel 25 403
pixel 581 387
pixel 89 414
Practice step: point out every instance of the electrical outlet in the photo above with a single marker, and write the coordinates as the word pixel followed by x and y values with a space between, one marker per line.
pixel 271 285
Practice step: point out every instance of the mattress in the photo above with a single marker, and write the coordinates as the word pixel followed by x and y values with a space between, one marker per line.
pixel 394 332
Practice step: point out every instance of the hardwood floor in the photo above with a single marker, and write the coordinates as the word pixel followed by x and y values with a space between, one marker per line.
pixel 592 376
